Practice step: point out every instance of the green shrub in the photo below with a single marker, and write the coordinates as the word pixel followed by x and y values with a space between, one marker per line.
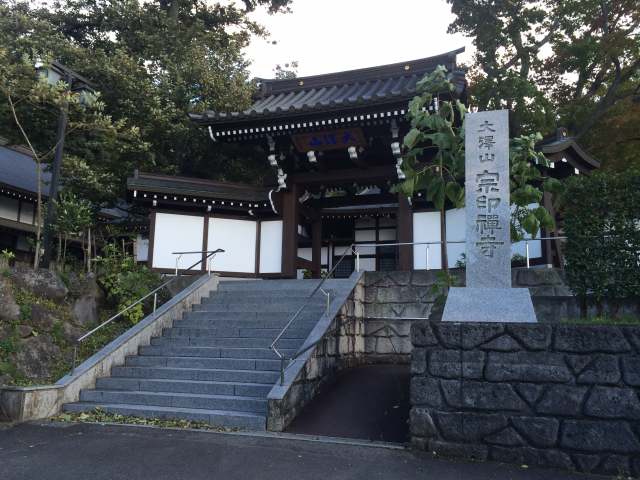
pixel 125 281
pixel 7 255
pixel 602 225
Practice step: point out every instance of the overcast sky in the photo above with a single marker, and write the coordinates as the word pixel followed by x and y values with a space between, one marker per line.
pixel 333 35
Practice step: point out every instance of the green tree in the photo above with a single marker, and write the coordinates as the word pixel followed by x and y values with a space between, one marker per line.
pixel 75 217
pixel 153 62
pixel 30 105
pixel 575 62
pixel 435 158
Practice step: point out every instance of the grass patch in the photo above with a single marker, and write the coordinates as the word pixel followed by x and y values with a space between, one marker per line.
pixel 605 320
pixel 98 415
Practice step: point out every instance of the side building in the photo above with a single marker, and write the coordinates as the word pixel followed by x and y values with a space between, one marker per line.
pixel 18 200
pixel 334 144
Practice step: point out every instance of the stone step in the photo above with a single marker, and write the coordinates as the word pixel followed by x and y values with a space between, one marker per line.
pixel 184 386
pixel 216 323
pixel 240 306
pixel 212 352
pixel 262 296
pixel 268 285
pixel 231 331
pixel 226 342
pixel 215 365
pixel 232 403
pixel 222 418
pixel 198 374
pixel 199 362
pixel 284 310
pixel 309 315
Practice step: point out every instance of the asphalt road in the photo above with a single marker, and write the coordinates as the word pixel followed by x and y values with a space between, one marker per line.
pixel 100 452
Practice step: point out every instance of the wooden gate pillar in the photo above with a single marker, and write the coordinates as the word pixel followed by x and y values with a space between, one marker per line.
pixel 316 247
pixel 290 217
pixel 405 233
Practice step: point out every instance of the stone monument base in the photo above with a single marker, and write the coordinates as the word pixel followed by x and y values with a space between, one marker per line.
pixel 489 305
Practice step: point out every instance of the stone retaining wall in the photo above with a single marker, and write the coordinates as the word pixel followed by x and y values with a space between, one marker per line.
pixel 20 404
pixel 338 343
pixel 562 396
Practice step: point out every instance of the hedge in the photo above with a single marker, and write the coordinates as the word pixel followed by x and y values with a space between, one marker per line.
pixel 602 225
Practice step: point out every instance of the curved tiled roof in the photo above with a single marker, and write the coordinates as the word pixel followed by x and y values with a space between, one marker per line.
pixel 337 91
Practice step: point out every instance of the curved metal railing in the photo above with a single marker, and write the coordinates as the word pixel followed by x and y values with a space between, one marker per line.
pixel 207 257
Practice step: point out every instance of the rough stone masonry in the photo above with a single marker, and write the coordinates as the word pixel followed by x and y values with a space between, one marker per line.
pixel 562 396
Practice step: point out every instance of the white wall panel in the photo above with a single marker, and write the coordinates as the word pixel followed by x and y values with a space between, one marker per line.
pixel 9 208
pixel 366 250
pixel 305 253
pixel 387 234
pixel 238 239
pixel 177 233
pixel 456 225
pixel 426 228
pixel 367 264
pixel 365 235
pixel 142 249
pixel 26 212
pixel 271 246
pixel 535 248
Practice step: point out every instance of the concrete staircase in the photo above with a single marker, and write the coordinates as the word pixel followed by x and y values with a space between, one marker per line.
pixel 215 364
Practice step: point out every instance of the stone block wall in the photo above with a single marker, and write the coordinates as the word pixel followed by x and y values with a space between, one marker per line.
pixel 563 396
pixel 387 340
pixel 399 294
pixel 392 302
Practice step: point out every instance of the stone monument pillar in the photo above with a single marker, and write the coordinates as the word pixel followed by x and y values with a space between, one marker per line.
pixel 488 296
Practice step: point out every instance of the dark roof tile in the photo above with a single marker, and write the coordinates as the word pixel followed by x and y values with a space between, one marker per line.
pixel 353 88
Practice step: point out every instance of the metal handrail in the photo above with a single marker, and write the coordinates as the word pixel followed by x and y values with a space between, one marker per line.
pixel 526 240
pixel 353 248
pixel 180 254
pixel 209 256
pixel 299 311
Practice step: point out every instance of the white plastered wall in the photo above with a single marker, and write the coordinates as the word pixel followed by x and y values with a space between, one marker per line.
pixel 426 228
pixel 271 246
pixel 177 233
pixel 456 225
pixel 238 240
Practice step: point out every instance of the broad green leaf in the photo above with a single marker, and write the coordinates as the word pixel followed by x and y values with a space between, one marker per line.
pixel 412 138
pixel 531 224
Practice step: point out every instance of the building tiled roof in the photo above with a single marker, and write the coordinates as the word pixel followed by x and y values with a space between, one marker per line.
pixel 18 171
pixel 365 87
pixel 560 142
pixel 195 187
